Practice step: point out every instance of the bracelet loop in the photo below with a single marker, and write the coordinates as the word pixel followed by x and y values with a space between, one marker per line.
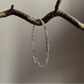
pixel 47 46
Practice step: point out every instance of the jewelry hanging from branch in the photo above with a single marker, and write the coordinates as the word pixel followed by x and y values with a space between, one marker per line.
pixel 47 46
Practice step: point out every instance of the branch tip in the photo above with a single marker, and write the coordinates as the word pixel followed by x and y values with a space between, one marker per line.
pixel 12 7
pixel 57 5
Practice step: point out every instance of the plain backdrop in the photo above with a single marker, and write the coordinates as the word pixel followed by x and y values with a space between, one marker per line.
pixel 66 62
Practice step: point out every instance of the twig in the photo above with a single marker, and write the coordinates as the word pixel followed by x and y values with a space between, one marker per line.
pixel 46 18
pixel 57 5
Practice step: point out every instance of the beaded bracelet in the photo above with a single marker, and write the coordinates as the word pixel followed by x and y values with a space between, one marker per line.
pixel 47 46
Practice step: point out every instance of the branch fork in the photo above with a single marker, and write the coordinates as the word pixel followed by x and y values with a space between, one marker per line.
pixel 46 19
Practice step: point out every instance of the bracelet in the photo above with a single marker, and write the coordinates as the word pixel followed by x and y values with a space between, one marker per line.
pixel 47 46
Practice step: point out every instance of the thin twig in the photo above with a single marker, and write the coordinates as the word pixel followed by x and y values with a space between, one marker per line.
pixel 46 18
pixel 57 5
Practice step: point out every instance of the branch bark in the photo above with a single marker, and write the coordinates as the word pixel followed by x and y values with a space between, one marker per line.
pixel 46 18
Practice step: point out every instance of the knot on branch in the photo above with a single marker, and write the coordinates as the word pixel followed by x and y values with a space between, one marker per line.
pixel 12 7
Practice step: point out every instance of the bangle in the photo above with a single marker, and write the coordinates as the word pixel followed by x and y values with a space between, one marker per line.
pixel 47 46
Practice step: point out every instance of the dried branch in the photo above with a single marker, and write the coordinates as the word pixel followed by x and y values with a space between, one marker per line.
pixel 46 18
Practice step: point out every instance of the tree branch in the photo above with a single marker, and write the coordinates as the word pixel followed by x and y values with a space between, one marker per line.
pixel 46 18
pixel 71 19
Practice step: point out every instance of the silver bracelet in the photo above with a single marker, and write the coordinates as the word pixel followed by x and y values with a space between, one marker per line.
pixel 47 46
